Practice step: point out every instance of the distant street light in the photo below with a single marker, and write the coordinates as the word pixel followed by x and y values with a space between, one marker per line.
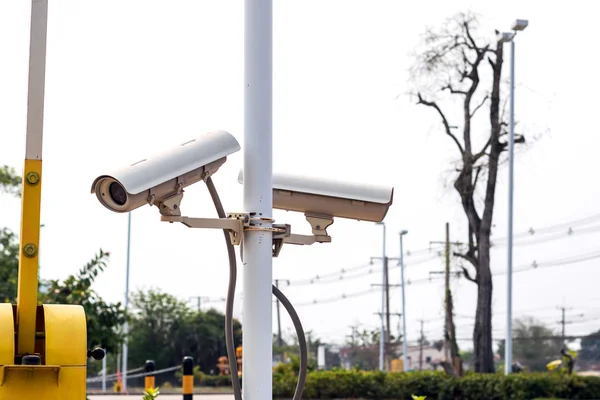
pixel 505 37
pixel 384 282
pixel 404 339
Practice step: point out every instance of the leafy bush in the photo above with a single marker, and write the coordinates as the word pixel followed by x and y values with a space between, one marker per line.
pixel 199 376
pixel 217 380
pixel 151 394
pixel 435 385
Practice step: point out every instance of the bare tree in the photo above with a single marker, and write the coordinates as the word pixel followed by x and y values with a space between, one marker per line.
pixel 460 67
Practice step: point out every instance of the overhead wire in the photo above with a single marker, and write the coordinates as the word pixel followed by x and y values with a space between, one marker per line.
pixel 319 279
pixel 340 275
pixel 532 266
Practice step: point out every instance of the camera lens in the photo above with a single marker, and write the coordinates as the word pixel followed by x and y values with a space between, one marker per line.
pixel 117 193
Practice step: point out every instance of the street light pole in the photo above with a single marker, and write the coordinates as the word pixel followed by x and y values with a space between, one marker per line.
pixel 518 25
pixel 126 325
pixel 404 338
pixel 511 149
pixel 258 199
pixel 384 282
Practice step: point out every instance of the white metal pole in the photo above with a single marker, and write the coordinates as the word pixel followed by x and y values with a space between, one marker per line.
pixel 382 333
pixel 511 161
pixel 104 372
pixel 258 198
pixel 404 338
pixel 126 325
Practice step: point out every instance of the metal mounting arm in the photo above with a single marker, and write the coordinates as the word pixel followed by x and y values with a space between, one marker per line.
pixel 234 224
pixel 237 223
pixel 319 224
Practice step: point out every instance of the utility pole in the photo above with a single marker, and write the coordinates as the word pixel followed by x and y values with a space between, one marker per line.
pixel 382 339
pixel 389 315
pixel 400 335
pixel 448 319
pixel 563 321
pixel 450 349
pixel 421 342
pixel 404 338
pixel 386 313
pixel 279 338
pixel 199 300
pixel 126 325
pixel 388 362
pixel 386 305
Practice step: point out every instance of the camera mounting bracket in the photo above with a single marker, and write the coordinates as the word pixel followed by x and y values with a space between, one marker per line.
pixel 319 224
pixel 237 223
pixel 234 224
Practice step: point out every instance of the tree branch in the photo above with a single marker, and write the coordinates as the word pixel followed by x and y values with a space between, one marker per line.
pixel 444 120
pixel 465 271
pixel 496 129
pixel 452 90
pixel 471 40
pixel 467 257
pixel 477 172
pixel 480 105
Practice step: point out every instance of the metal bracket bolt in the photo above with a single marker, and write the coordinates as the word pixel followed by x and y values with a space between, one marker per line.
pixel 30 250
pixel 32 178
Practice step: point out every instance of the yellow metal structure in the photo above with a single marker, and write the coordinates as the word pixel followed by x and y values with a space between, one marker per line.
pixel 7 335
pixel 28 257
pixel 60 343
pixel 43 349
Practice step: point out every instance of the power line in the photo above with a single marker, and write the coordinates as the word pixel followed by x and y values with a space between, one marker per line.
pixel 409 282
pixel 343 271
pixel 345 296
pixel 533 265
pixel 343 276
pixel 557 236
pixel 552 228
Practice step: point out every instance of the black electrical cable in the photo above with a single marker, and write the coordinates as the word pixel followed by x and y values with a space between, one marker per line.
pixel 237 391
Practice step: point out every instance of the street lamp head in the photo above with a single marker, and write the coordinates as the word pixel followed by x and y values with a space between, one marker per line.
pixel 519 25
pixel 505 37
pixel 404 232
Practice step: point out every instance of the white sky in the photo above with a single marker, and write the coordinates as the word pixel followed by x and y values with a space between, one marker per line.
pixel 127 77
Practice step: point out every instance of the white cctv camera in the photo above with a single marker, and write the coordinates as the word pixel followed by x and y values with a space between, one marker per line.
pixel 163 176
pixel 330 198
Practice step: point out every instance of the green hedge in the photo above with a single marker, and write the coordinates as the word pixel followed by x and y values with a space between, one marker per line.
pixel 343 384
pixel 216 380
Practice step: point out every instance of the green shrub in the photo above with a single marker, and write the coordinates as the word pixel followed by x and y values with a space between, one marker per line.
pixel 348 384
pixel 217 380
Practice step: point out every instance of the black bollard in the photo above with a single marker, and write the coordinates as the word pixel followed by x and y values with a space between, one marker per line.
pixel 149 379
pixel 188 378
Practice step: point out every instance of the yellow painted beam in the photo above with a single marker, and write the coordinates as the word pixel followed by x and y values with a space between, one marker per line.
pixel 27 294
pixel 7 335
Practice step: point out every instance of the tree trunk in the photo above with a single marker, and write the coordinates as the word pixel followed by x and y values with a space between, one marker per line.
pixel 483 352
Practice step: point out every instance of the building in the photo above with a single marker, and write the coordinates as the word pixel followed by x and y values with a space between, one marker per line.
pixel 431 357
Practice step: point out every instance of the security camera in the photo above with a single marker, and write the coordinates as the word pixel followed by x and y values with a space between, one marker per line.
pixel 332 198
pixel 161 177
